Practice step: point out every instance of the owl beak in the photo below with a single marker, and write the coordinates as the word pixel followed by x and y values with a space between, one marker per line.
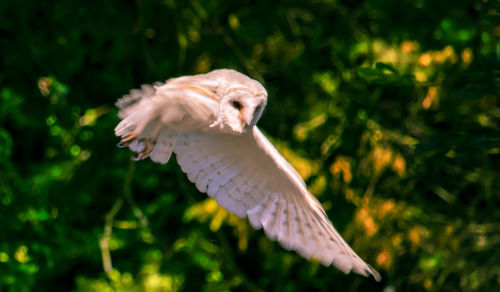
pixel 247 120
pixel 247 128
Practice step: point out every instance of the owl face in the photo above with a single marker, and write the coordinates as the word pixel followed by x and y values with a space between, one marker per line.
pixel 241 109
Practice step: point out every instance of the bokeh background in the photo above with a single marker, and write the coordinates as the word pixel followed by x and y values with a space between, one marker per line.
pixel 389 110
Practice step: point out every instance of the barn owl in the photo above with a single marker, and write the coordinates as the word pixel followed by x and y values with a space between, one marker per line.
pixel 208 121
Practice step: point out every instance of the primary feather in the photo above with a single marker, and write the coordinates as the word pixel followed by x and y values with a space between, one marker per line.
pixel 208 121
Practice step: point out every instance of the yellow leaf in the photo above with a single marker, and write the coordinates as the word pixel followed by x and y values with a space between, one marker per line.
pixel 21 254
pixel 342 166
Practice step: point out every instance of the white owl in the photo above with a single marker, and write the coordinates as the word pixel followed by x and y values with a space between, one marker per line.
pixel 208 120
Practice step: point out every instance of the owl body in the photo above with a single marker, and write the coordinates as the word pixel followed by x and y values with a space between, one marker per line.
pixel 209 121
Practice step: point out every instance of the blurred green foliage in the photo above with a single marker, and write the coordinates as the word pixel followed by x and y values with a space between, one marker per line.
pixel 389 109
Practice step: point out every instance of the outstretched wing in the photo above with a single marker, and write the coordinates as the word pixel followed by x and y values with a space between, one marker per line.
pixel 248 177
pixel 152 116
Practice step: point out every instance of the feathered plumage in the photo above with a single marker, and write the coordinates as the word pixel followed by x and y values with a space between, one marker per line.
pixel 208 120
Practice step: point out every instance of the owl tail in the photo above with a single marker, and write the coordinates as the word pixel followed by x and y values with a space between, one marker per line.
pixel 164 146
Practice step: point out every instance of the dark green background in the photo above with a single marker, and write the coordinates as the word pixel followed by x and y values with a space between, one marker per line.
pixel 389 109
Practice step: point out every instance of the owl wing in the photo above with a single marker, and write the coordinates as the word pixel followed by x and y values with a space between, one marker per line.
pixel 248 177
pixel 152 116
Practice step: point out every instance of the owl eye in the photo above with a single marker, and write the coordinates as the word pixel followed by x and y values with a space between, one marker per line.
pixel 237 105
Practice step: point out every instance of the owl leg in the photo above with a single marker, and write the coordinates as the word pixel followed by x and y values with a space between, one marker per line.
pixel 133 126
pixel 149 143
pixel 128 139
pixel 142 142
pixel 148 147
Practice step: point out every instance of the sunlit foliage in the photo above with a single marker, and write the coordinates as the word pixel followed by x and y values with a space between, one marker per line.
pixel 389 110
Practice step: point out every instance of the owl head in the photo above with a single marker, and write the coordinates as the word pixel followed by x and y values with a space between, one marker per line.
pixel 242 101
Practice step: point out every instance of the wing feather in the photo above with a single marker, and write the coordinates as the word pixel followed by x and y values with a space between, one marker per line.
pixel 255 213
pixel 294 237
pixel 222 176
pixel 127 102
pixel 248 180
pixel 275 227
pixel 194 156
pixel 310 237
pixel 268 215
pixel 248 177
pixel 298 239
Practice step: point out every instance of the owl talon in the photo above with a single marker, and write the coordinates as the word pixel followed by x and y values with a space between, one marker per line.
pixel 148 148
pixel 128 139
